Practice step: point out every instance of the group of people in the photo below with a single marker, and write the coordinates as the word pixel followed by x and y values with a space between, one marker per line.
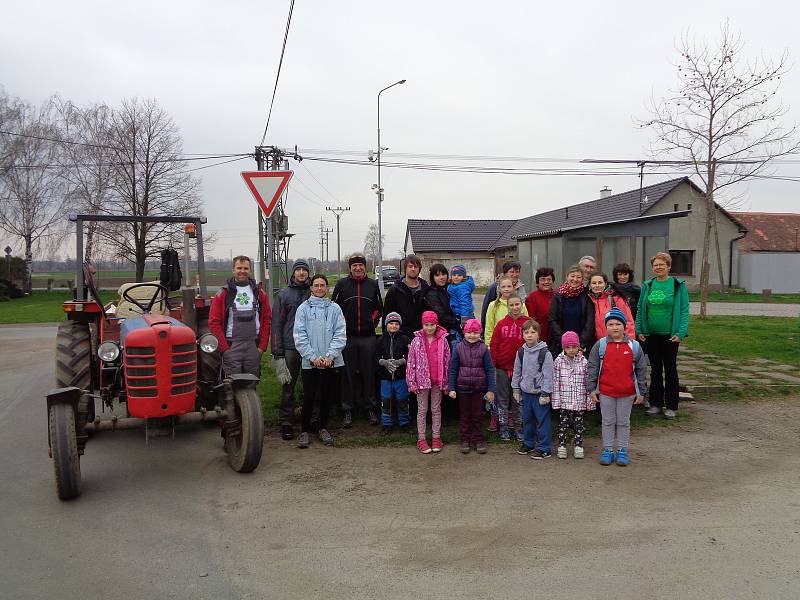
pixel 563 349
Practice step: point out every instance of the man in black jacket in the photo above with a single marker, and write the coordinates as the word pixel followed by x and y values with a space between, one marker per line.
pixel 360 301
pixel 407 297
pixel 285 359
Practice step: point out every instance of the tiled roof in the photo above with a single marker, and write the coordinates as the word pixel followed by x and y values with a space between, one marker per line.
pixel 619 207
pixel 769 232
pixel 461 235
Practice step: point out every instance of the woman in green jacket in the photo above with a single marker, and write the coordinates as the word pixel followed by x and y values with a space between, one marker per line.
pixel 662 321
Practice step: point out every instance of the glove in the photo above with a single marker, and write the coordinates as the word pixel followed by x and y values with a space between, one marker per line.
pixel 281 371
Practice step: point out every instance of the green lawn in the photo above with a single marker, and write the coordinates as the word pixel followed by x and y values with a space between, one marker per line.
pixel 773 338
pixel 740 296
pixel 40 307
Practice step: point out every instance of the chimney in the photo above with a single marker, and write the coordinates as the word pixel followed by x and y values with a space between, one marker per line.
pixel 605 192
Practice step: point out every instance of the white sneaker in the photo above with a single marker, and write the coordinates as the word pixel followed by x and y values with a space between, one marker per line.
pixel 670 414
pixel 578 452
pixel 562 452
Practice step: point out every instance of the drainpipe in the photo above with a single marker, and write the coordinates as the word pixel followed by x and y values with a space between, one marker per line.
pixel 730 257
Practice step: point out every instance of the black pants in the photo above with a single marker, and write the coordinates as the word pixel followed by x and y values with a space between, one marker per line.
pixel 570 419
pixel 663 356
pixel 360 364
pixel 293 362
pixel 322 383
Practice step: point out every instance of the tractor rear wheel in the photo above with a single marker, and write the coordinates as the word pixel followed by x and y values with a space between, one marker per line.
pixel 64 448
pixel 75 364
pixel 243 442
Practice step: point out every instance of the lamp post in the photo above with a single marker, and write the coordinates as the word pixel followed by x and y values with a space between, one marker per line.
pixel 379 189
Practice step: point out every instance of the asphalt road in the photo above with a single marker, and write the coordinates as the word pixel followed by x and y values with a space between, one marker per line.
pixel 707 509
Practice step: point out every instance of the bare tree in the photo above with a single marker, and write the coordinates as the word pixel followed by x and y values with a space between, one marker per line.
pixel 371 243
pixel 150 179
pixel 33 190
pixel 724 120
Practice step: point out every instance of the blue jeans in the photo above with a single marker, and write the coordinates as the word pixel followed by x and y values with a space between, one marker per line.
pixel 394 390
pixel 536 423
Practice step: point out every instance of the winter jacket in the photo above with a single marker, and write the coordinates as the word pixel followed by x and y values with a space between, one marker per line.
pixel 602 305
pixel 491 295
pixel 283 311
pixel 538 306
pixel 471 368
pixel 528 377
pixel 319 331
pixel 631 293
pixel 680 310
pixel 220 312
pixel 418 371
pixel 401 299
pixel 496 312
pixel 361 304
pixel 392 345
pixel 437 299
pixel 461 297
pixel 506 340
pixel 586 334
pixel 569 383
pixel 638 372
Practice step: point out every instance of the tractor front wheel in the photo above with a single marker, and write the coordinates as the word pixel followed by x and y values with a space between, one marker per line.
pixel 244 440
pixel 64 448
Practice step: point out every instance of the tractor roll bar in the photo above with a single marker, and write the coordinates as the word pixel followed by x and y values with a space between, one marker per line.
pixel 80 219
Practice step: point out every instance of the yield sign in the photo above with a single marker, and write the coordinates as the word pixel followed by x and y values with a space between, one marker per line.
pixel 267 187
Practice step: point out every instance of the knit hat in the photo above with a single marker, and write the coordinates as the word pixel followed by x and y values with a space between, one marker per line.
pixel 472 326
pixel 354 260
pixel 570 340
pixel 617 314
pixel 429 317
pixel 459 270
pixel 394 317
pixel 301 264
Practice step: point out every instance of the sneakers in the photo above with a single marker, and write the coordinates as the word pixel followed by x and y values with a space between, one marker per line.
pixel 622 457
pixel 348 419
pixel 464 448
pixel 520 436
pixel 652 411
pixel 372 417
pixel 437 444
pixel 578 452
pixel 505 436
pixel 523 450
pixel 492 424
pixel 480 448
pixel 287 432
pixel 303 440
pixel 325 436
pixel 562 452
pixel 670 414
pixel 607 457
pixel 422 446
pixel 541 454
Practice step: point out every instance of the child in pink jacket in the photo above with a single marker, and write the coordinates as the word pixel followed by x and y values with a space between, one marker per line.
pixel 427 370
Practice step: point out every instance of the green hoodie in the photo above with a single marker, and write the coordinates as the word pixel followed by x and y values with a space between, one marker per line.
pixel 680 309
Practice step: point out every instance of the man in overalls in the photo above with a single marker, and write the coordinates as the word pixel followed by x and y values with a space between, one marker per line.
pixel 240 318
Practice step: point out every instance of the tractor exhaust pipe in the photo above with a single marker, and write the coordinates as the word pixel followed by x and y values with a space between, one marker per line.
pixel 191 418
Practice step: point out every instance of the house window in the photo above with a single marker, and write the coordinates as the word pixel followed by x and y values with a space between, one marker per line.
pixel 689 206
pixel 682 262
pixel 676 208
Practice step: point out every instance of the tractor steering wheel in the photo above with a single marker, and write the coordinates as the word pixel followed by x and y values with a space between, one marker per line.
pixel 160 294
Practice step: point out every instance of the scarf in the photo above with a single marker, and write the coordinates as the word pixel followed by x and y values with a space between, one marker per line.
pixel 568 291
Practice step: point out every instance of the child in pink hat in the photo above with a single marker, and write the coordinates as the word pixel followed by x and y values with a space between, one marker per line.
pixel 570 397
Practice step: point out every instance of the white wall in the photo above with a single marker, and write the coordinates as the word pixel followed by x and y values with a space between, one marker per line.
pixel 479 265
pixel 776 271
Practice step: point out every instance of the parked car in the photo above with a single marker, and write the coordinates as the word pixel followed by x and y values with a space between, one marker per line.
pixel 390 275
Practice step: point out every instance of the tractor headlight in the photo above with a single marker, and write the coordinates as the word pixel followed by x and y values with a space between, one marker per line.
pixel 108 351
pixel 208 343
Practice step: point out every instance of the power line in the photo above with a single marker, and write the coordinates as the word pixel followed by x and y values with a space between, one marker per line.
pixel 277 77
pixel 318 181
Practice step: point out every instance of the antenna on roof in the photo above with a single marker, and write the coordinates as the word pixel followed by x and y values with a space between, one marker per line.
pixel 641 165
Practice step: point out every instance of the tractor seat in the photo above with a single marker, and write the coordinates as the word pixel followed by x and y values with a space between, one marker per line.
pixel 126 310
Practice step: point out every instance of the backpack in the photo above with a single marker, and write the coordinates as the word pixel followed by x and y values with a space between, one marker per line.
pixel 637 352
pixel 171 275
pixel 540 357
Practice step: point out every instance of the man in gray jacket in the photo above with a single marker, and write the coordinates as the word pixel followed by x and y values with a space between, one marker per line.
pixel 285 358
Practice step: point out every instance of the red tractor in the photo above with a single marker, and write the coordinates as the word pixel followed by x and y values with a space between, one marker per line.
pixel 159 361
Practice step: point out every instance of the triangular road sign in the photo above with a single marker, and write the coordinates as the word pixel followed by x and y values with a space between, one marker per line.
pixel 267 187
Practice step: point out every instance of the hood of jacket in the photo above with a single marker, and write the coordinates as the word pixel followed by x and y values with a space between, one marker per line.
pixel 440 333
pixel 535 348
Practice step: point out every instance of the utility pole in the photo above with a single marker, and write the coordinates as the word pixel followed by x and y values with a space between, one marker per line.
pixel 338 213
pixel 260 165
pixel 321 240
pixel 327 233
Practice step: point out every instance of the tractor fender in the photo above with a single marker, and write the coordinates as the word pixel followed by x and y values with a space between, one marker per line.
pixel 243 380
pixel 66 395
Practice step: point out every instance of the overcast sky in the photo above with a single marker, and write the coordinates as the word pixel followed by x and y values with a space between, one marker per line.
pixel 564 80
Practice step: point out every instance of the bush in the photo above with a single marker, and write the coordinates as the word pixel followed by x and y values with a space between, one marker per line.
pixel 9 291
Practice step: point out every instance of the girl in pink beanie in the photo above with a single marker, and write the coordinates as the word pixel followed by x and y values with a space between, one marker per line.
pixel 570 397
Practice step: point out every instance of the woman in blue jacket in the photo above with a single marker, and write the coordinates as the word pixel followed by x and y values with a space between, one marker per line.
pixel 319 337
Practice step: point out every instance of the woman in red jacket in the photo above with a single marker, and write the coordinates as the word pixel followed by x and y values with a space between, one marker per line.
pixel 538 301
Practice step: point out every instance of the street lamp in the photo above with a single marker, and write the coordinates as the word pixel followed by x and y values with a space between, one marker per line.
pixel 379 189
